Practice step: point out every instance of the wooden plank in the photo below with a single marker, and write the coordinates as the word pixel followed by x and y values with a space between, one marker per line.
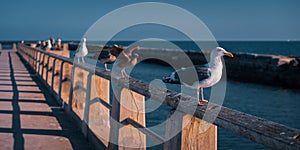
pixel 36 53
pixel 86 114
pixel 44 70
pixel 184 131
pixel 42 62
pixel 79 95
pixel 99 118
pixel 173 130
pixel 66 82
pixel 38 58
pixel 31 60
pixel 198 134
pixel 50 67
pixel 133 107
pixel 114 123
pixel 56 75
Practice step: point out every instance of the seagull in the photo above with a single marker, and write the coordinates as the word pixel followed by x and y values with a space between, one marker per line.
pixel 107 58
pixel 208 74
pixel 49 45
pixel 108 55
pixel 126 59
pixel 58 46
pixel 38 44
pixel 82 51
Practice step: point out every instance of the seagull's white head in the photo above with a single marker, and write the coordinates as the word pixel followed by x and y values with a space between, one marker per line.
pixel 84 40
pixel 48 41
pixel 219 52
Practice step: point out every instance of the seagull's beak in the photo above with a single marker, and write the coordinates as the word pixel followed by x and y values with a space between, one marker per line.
pixel 229 54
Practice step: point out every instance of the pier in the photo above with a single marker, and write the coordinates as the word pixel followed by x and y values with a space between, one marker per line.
pixel 30 118
pixel 46 98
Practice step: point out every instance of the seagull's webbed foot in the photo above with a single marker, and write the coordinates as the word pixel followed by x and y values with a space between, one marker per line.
pixel 124 74
pixel 202 102
pixel 106 68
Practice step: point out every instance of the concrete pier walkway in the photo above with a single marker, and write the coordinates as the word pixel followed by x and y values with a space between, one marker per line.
pixel 30 118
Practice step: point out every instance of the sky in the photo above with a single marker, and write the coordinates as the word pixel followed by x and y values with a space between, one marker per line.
pixel 227 20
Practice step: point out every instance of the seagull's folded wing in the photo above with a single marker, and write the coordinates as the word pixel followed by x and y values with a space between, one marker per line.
pixel 193 74
pixel 104 54
pixel 116 51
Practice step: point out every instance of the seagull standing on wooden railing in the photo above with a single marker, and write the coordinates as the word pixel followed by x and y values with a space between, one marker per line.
pixel 126 59
pixel 49 45
pixel 108 55
pixel 82 51
pixel 208 74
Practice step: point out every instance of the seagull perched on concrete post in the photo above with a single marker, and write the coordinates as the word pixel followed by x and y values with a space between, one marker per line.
pixel 82 51
pixel 208 74
pixel 126 59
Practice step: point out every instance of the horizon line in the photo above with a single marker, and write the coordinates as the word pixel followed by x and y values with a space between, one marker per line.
pixel 173 40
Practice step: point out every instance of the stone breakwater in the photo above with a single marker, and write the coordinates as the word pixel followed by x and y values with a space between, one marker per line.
pixel 246 67
pixel 266 69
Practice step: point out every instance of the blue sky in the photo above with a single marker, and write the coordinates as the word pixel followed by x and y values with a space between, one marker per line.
pixel 227 20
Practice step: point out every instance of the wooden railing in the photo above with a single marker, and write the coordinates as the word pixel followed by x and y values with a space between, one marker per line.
pixel 119 121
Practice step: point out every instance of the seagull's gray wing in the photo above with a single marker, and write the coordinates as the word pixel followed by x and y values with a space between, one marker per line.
pixel 203 71
pixel 188 77
pixel 104 54
pixel 116 51
pixel 106 57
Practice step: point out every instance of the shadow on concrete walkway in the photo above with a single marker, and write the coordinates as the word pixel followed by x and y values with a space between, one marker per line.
pixel 30 118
